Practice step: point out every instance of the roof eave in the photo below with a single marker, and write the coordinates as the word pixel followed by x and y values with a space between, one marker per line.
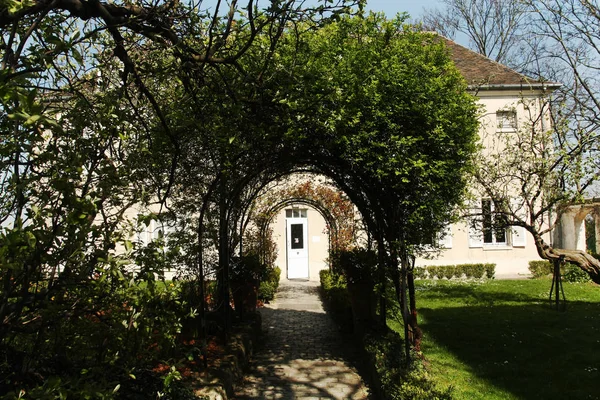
pixel 541 86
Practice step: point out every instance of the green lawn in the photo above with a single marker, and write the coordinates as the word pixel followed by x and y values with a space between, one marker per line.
pixel 502 340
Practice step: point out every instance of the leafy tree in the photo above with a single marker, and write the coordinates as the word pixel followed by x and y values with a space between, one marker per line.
pixel 344 101
pixel 393 126
pixel 92 122
pixel 109 104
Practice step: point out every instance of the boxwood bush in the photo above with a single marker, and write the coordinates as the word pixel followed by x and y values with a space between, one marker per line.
pixel 569 272
pixel 477 271
pixel 336 298
pixel 269 284
pixel 540 268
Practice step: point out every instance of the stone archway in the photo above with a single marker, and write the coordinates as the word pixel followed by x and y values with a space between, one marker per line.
pixel 571 232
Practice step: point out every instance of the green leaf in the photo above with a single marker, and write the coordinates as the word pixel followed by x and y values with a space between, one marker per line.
pixel 128 245
pixel 18 116
pixel 31 239
pixel 77 56
pixel 33 119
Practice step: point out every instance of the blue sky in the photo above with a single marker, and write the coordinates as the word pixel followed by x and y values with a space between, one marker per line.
pixel 413 7
pixel 389 7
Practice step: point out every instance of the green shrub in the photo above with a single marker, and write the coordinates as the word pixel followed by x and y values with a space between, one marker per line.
pixel 569 272
pixel 478 270
pixel 336 298
pixel 247 267
pixel 449 271
pixel 490 270
pixel 269 285
pixel 432 271
pixel 439 272
pixel 357 265
pixel 573 273
pixel 266 291
pixel 468 270
pixel 420 273
pixel 540 268
pixel 330 280
pixel 395 382
pixel 459 271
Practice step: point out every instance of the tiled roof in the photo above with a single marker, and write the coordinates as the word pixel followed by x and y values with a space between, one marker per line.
pixel 479 70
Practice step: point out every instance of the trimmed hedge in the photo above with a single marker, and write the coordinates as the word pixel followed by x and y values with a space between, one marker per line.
pixel 269 285
pixel 336 298
pixel 568 271
pixel 459 271
pixel 541 268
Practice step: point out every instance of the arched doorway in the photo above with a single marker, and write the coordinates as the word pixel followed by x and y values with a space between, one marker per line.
pixel 304 220
pixel 579 227
pixel 302 238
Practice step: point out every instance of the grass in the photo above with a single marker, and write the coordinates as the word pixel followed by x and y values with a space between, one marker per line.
pixel 503 340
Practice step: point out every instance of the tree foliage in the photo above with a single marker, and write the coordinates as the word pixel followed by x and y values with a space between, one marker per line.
pixel 391 121
pixel 92 105
pixel 162 106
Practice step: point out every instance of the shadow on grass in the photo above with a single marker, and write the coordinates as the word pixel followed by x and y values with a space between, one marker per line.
pixel 525 348
pixel 470 293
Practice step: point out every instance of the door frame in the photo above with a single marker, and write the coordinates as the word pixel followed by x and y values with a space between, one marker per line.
pixel 306 265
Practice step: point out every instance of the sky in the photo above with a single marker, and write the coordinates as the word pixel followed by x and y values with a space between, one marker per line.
pixel 389 7
pixel 413 7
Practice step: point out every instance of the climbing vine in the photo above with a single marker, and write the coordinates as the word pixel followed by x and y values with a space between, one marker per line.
pixel 335 207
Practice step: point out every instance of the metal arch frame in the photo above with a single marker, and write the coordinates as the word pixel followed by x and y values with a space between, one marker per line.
pixel 325 213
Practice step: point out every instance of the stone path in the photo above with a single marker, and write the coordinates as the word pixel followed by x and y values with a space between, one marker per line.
pixel 304 356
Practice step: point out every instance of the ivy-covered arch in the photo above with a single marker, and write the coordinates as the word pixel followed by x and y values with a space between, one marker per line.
pixel 377 108
pixel 329 219
pixel 335 208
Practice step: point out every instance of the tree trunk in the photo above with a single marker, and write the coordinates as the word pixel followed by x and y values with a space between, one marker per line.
pixel 382 277
pixel 415 332
pixel 223 283
pixel 583 260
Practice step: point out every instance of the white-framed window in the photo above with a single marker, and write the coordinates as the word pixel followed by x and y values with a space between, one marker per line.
pixel 155 230
pixel 296 213
pixel 506 120
pixel 441 240
pixel 489 228
pixel 493 224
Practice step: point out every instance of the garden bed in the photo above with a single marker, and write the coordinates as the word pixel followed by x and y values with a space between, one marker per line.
pixel 226 363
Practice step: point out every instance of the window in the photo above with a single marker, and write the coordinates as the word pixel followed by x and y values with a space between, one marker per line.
pixel 493 224
pixel 488 228
pixel 296 213
pixel 506 120
pixel 297 233
pixel 439 240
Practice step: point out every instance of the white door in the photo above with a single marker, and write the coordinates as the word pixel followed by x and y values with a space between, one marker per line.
pixel 297 248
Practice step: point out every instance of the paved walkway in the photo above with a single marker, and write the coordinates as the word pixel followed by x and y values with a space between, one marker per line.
pixel 304 356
